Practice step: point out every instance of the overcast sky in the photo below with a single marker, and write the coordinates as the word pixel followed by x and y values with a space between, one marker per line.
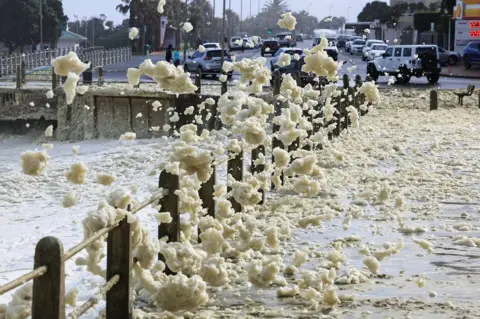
pixel 318 8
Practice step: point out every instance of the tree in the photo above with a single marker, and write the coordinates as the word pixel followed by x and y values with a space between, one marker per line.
pixel 334 24
pixel 448 5
pixel 375 10
pixel 20 25
pixel 305 22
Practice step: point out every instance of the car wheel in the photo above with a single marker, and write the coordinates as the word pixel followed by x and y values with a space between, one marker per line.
pixel 433 78
pixel 405 75
pixel 467 63
pixel 372 71
pixel 185 68
pixel 452 60
pixel 200 71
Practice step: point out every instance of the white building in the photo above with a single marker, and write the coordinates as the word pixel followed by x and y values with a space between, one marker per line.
pixel 69 39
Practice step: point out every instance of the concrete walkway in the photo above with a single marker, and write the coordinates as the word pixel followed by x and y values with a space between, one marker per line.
pixel 459 71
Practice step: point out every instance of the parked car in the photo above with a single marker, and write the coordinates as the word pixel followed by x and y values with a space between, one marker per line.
pixel 208 62
pixel 405 61
pixel 291 51
pixel 471 54
pixel 449 57
pixel 272 45
pixel 375 51
pixel 348 44
pixel 235 43
pixel 299 37
pixel 248 43
pixel 285 39
pixel 211 45
pixel 357 46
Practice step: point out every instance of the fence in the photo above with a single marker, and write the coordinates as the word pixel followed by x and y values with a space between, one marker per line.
pixel 97 56
pixel 49 274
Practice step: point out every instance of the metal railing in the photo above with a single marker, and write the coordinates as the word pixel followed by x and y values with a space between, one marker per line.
pixel 98 56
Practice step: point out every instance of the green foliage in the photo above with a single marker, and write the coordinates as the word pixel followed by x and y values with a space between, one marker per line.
pixel 382 11
pixel 20 22
pixel 335 24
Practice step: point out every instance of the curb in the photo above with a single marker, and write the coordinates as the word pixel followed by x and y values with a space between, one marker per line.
pixel 473 77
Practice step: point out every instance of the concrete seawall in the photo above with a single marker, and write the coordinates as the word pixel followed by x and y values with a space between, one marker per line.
pixel 99 113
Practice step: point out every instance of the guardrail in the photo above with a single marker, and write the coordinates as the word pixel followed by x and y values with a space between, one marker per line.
pixel 49 274
pixel 96 56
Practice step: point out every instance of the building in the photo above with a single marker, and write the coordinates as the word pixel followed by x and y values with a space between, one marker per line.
pixel 467 23
pixel 69 39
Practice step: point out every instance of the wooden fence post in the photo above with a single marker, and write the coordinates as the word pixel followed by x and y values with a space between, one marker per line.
pixel 224 85
pixel 206 193
pixel 54 80
pixel 433 100
pixel 18 77
pixel 235 168
pixel 23 72
pixel 100 76
pixel 48 296
pixel 119 261
pixel 258 168
pixel 169 203
pixel 276 82
pixel 198 82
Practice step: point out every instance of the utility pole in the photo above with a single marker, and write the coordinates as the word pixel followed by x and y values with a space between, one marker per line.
pixel 185 37
pixel 41 25
pixel 93 31
pixel 215 36
pixel 241 15
pixel 223 35
pixel 230 26
pixel 250 8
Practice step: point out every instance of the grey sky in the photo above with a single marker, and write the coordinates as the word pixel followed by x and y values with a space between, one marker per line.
pixel 318 8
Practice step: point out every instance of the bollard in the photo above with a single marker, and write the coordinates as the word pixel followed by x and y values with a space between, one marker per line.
pixel 368 78
pixel 169 203
pixel 346 81
pixel 298 78
pixel 235 168
pixel 258 168
pixel 358 81
pixel 276 82
pixel 198 82
pixel 433 100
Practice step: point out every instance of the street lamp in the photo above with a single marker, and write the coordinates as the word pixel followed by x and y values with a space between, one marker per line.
pixel 185 37
pixel 223 35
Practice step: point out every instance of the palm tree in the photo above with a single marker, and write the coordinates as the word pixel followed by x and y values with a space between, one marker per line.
pixel 273 9
pixel 131 7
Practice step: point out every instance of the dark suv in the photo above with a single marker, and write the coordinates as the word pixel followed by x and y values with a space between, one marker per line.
pixel 272 46
pixel 471 54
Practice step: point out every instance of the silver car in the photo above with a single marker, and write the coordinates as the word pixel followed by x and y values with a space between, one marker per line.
pixel 448 57
pixel 291 51
pixel 208 62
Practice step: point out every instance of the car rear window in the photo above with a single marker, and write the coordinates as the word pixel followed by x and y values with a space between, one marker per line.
pixel 216 53
pixel 270 42
pixel 422 50
pixel 208 46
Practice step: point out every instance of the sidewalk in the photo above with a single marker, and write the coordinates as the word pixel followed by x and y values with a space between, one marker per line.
pixel 459 71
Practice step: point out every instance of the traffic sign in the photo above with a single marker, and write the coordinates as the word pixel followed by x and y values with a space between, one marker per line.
pixel 269 31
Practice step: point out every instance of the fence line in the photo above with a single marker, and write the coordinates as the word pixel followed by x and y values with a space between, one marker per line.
pixel 97 57
pixel 49 273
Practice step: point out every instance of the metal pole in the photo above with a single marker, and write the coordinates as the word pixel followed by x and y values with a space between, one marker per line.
pixel 230 26
pixel 241 15
pixel 215 35
pixel 185 37
pixel 449 33
pixel 93 31
pixel 250 8
pixel 41 25
pixel 223 34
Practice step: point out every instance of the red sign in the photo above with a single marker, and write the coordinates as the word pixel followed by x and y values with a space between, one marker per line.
pixel 474 33
pixel 474 24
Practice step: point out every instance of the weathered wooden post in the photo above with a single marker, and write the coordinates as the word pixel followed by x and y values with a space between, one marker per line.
pixel 235 168
pixel 207 191
pixel 198 82
pixel 119 261
pixel 258 168
pixel 18 77
pixel 169 203
pixel 54 80
pixel 23 72
pixel 100 76
pixel 224 85
pixel 433 100
pixel 48 296
pixel 298 78
pixel 277 81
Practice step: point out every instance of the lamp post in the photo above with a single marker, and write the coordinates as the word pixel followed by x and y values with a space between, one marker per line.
pixel 41 25
pixel 93 31
pixel 214 23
